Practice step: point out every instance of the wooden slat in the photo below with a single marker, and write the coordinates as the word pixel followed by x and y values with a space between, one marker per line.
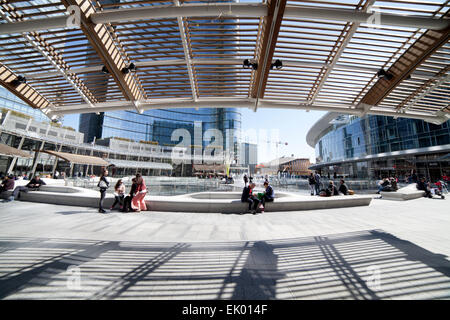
pixel 106 48
pixel 24 91
pixel 416 54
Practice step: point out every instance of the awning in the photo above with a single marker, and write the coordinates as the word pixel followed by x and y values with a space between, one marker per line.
pixel 78 158
pixel 140 164
pixel 10 151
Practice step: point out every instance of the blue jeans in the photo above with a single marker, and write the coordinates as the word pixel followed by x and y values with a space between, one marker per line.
pixel 317 185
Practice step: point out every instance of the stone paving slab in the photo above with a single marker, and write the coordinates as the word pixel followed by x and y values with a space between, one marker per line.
pixel 389 250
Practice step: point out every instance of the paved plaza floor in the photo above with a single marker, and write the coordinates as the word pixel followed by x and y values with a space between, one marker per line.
pixel 388 250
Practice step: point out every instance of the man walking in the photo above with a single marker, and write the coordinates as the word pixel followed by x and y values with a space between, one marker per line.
pixel 317 183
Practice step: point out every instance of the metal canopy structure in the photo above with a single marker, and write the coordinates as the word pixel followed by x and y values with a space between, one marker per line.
pixel 386 57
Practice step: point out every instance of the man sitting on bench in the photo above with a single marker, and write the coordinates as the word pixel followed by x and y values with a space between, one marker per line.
pixel 33 185
pixel 247 196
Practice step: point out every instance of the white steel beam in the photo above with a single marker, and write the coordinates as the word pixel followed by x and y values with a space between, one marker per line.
pixel 383 19
pixel 233 10
pixel 187 55
pixel 246 103
pixel 214 62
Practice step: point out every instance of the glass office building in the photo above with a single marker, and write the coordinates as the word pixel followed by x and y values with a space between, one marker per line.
pixel 9 101
pixel 376 146
pixel 158 125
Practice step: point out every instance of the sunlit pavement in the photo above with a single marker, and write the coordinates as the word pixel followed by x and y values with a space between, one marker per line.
pixel 389 250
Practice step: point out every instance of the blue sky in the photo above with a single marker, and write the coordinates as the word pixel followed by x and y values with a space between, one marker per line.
pixel 288 126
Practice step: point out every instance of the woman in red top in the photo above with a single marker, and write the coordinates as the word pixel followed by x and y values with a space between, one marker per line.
pixel 138 202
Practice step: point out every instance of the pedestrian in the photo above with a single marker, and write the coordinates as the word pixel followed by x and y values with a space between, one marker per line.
pixel 103 184
pixel 317 183
pixel 245 180
pixel 312 183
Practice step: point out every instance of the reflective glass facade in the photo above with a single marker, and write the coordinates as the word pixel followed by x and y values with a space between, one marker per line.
pixel 378 134
pixel 158 125
pixel 341 150
pixel 11 102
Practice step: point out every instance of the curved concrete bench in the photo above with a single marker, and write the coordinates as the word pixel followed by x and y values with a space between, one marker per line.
pixel 223 202
pixel 62 195
pixel 406 193
pixel 230 202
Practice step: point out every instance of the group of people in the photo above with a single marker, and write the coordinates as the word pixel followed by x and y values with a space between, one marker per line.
pixel 8 184
pixel 439 190
pixel 315 186
pixel 134 201
pixel 257 202
pixel 387 184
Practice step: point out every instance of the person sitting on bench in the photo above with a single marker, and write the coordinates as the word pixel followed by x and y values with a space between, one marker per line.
pixel 247 196
pixel 7 184
pixel 422 185
pixel 33 185
pixel 268 196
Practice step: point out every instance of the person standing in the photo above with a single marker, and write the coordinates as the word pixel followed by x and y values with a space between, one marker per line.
pixel 317 183
pixel 312 183
pixel 103 184
pixel 119 194
pixel 138 202
pixel 245 180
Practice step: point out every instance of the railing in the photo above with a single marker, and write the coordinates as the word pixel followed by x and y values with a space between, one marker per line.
pixel 163 186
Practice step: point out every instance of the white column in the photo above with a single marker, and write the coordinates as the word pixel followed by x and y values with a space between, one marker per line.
pixel 14 160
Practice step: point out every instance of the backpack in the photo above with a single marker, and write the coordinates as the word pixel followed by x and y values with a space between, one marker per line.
pixel 311 180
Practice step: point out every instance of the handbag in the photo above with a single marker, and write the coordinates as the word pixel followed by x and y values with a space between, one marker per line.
pixel 102 184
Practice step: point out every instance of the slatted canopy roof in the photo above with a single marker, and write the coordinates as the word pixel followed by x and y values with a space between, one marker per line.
pixel 191 53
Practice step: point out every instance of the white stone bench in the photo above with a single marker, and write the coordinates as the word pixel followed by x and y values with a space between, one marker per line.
pixel 62 195
pixel 223 202
pixel 406 193
pixel 230 202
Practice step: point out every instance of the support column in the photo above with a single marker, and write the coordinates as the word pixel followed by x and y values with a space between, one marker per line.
pixel 14 160
pixel 55 164
pixel 71 170
pixel 36 158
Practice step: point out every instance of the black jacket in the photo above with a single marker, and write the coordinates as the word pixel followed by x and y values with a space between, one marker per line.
pixel 133 189
pixel 343 188
pixel 269 192
pixel 245 194
pixel 421 185
pixel 35 182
